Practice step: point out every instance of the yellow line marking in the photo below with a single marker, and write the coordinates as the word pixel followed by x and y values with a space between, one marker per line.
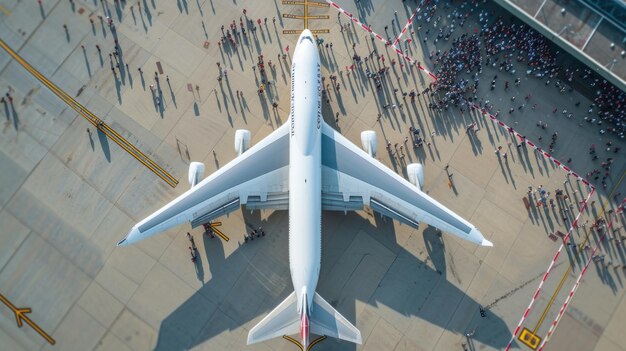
pixel 310 347
pixel 318 4
pixel 5 10
pixel 294 341
pixel 311 3
pixel 580 249
pixel 93 119
pixel 306 17
pixel 218 232
pixel 306 14
pixel 20 315
pixel 318 17
pixel 551 302
pixel 288 15
pixel 315 342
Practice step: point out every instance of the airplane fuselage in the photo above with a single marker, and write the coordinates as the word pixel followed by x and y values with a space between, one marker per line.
pixel 261 171
pixel 305 177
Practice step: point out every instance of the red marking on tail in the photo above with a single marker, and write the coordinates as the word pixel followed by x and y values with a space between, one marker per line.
pixel 304 329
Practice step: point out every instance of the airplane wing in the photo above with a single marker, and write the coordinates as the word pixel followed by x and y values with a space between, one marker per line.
pixel 257 178
pixel 351 178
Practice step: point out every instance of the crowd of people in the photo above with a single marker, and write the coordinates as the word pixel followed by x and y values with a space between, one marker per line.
pixel 501 44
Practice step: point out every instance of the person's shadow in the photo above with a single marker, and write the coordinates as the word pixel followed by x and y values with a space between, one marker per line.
pixel 91 142
pixel 104 143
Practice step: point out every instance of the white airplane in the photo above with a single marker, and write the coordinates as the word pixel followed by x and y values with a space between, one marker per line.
pixel 305 166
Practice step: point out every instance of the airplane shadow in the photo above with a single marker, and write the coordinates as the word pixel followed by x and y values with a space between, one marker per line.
pixel 254 279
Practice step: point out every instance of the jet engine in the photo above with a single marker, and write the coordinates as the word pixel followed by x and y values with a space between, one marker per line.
pixel 415 172
pixel 196 173
pixel 368 140
pixel 242 141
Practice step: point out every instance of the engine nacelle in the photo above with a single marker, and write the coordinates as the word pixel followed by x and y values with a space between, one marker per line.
pixel 242 140
pixel 415 171
pixel 196 173
pixel 369 142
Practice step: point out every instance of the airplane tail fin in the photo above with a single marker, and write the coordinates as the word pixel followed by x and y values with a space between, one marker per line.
pixel 325 320
pixel 285 320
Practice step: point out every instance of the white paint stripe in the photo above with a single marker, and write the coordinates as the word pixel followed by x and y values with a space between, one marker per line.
pixel 592 33
pixel 540 7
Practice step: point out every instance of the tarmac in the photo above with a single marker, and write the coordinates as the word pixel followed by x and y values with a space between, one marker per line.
pixel 68 196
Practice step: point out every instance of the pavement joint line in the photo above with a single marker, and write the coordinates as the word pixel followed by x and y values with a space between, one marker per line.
pixel 461 300
pixel 88 312
pixel 30 35
pixel 32 231
pixel 570 296
pixel 97 122
pixel 10 199
pixel 58 67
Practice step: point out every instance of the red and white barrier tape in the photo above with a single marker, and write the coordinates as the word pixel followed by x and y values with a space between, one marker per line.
pixel 569 232
pixel 550 267
pixel 419 65
pixel 355 20
pixel 534 146
pixel 406 26
pixel 570 296
pixel 379 37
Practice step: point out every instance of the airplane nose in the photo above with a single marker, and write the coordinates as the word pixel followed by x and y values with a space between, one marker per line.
pixel 306 33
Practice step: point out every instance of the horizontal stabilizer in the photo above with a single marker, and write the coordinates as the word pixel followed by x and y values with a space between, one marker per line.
pixel 283 320
pixel 325 320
